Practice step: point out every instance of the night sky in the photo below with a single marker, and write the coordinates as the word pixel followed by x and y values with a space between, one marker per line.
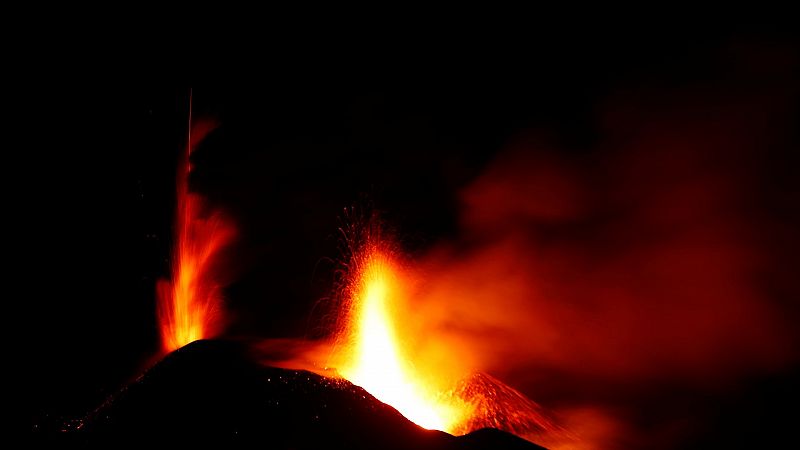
pixel 314 134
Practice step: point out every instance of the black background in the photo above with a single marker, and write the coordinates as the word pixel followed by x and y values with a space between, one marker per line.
pixel 308 135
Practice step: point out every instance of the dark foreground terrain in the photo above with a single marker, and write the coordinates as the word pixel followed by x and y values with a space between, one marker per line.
pixel 213 394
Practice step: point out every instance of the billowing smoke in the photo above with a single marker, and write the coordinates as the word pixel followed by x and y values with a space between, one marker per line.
pixel 641 264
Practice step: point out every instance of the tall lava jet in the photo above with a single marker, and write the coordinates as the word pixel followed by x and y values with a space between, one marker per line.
pixel 190 304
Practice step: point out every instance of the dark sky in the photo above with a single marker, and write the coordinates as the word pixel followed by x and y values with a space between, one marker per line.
pixel 298 142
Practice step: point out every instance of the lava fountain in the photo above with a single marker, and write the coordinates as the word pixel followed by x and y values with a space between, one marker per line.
pixel 378 356
pixel 382 348
pixel 189 305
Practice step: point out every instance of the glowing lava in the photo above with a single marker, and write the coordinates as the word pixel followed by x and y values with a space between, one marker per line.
pixel 378 356
pixel 189 306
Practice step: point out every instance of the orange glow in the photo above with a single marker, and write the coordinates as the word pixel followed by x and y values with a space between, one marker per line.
pixel 189 305
pixel 391 351
pixel 378 352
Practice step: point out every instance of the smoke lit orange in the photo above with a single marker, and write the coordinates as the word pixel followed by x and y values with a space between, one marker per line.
pixel 189 305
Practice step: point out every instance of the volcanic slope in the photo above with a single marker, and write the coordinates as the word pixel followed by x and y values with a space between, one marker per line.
pixel 214 394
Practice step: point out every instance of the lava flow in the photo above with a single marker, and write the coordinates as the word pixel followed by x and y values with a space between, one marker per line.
pixel 189 306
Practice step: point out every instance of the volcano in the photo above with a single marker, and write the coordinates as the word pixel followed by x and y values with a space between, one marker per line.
pixel 215 393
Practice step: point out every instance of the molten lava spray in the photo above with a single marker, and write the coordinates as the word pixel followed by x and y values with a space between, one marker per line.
pixel 425 376
pixel 379 356
pixel 189 306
